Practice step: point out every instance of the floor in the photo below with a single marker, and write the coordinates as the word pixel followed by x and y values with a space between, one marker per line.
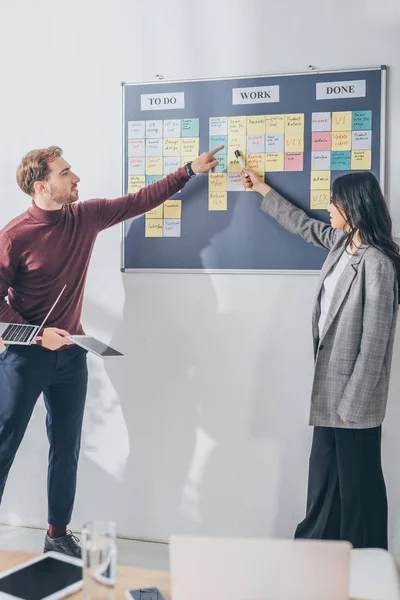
pixel 130 552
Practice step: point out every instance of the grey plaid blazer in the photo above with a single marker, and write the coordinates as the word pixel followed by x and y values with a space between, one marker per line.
pixel 353 356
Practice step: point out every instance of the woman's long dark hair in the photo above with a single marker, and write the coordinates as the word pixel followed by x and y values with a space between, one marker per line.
pixel 359 198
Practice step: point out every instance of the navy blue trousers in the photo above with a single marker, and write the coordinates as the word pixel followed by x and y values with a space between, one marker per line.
pixel 346 490
pixel 26 372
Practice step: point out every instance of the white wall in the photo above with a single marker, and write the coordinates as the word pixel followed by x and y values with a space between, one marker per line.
pixel 204 427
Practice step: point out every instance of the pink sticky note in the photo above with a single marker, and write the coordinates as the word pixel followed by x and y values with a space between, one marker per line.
pixel 321 140
pixel 294 161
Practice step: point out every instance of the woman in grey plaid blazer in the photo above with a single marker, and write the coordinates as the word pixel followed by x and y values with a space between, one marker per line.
pixel 353 326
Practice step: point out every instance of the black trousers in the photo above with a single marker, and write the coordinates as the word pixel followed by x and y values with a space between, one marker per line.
pixel 346 489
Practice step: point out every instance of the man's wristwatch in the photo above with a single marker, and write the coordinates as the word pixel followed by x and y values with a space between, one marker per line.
pixel 189 170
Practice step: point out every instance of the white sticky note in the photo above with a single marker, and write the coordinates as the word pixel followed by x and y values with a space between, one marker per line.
pixel 154 129
pixel 137 166
pixel 154 147
pixel 321 161
pixel 136 129
pixel 136 148
pixel 218 125
pixel 361 140
pixel 172 128
pixel 171 164
pixel 234 182
pixel 255 144
pixel 321 121
pixel 274 142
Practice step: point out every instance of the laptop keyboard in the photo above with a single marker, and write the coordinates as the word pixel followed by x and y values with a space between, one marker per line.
pixel 18 333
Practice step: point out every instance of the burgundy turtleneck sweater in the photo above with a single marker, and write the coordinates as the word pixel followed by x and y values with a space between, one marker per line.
pixel 41 251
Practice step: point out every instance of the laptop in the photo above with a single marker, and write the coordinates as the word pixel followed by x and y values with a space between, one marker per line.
pixel 92 344
pixel 24 335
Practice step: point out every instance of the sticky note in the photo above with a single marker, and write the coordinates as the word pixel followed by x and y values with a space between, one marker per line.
pixel 362 119
pixel 136 148
pixel 321 161
pixel 135 183
pixel 275 124
pixel 256 125
pixel 154 129
pixel 172 209
pixel 237 125
pixel 361 160
pixel 255 143
pixel 320 199
pixel 294 161
pixel 172 228
pixel 274 142
pixel 218 125
pixel 222 164
pixel 136 166
pixel 154 147
pixel 136 129
pixel 189 146
pixel 217 201
pixel 217 182
pixel 342 121
pixel 341 140
pixel 256 162
pixel 153 228
pixel 294 143
pixel 294 124
pixel 190 128
pixel 171 164
pixel 172 128
pixel 152 179
pixel 320 180
pixel 234 182
pixel 156 213
pixel 321 141
pixel 219 140
pixel 321 121
pixel 361 140
pixel 340 161
pixel 172 147
pixel 154 165
pixel 235 142
pixel 274 162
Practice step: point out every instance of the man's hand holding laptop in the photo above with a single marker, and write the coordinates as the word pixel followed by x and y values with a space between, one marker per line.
pixel 53 338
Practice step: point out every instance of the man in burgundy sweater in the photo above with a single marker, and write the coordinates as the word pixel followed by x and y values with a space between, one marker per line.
pixel 41 250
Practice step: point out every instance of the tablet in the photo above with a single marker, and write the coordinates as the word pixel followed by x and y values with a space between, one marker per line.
pixel 47 577
pixel 94 345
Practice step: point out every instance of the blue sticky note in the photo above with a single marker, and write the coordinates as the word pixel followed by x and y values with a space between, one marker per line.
pixel 340 161
pixel 219 140
pixel 222 162
pixel 362 119
pixel 190 127
pixel 172 227
pixel 153 178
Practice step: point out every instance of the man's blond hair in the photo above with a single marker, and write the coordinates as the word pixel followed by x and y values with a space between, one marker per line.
pixel 35 167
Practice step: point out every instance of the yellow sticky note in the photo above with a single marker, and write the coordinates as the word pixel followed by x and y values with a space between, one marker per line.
pixel 342 121
pixel 190 146
pixel 341 140
pixel 154 165
pixel 320 199
pixel 293 142
pixel 256 125
pixel 153 228
pixel 155 213
pixel 135 183
pixel 172 147
pixel 361 160
pixel 218 201
pixel 217 182
pixel 256 162
pixel 236 142
pixel 320 180
pixel 237 125
pixel 274 161
pixel 172 209
pixel 294 124
pixel 186 159
pixel 275 124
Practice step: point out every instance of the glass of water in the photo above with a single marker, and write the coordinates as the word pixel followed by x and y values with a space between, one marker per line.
pixel 99 553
